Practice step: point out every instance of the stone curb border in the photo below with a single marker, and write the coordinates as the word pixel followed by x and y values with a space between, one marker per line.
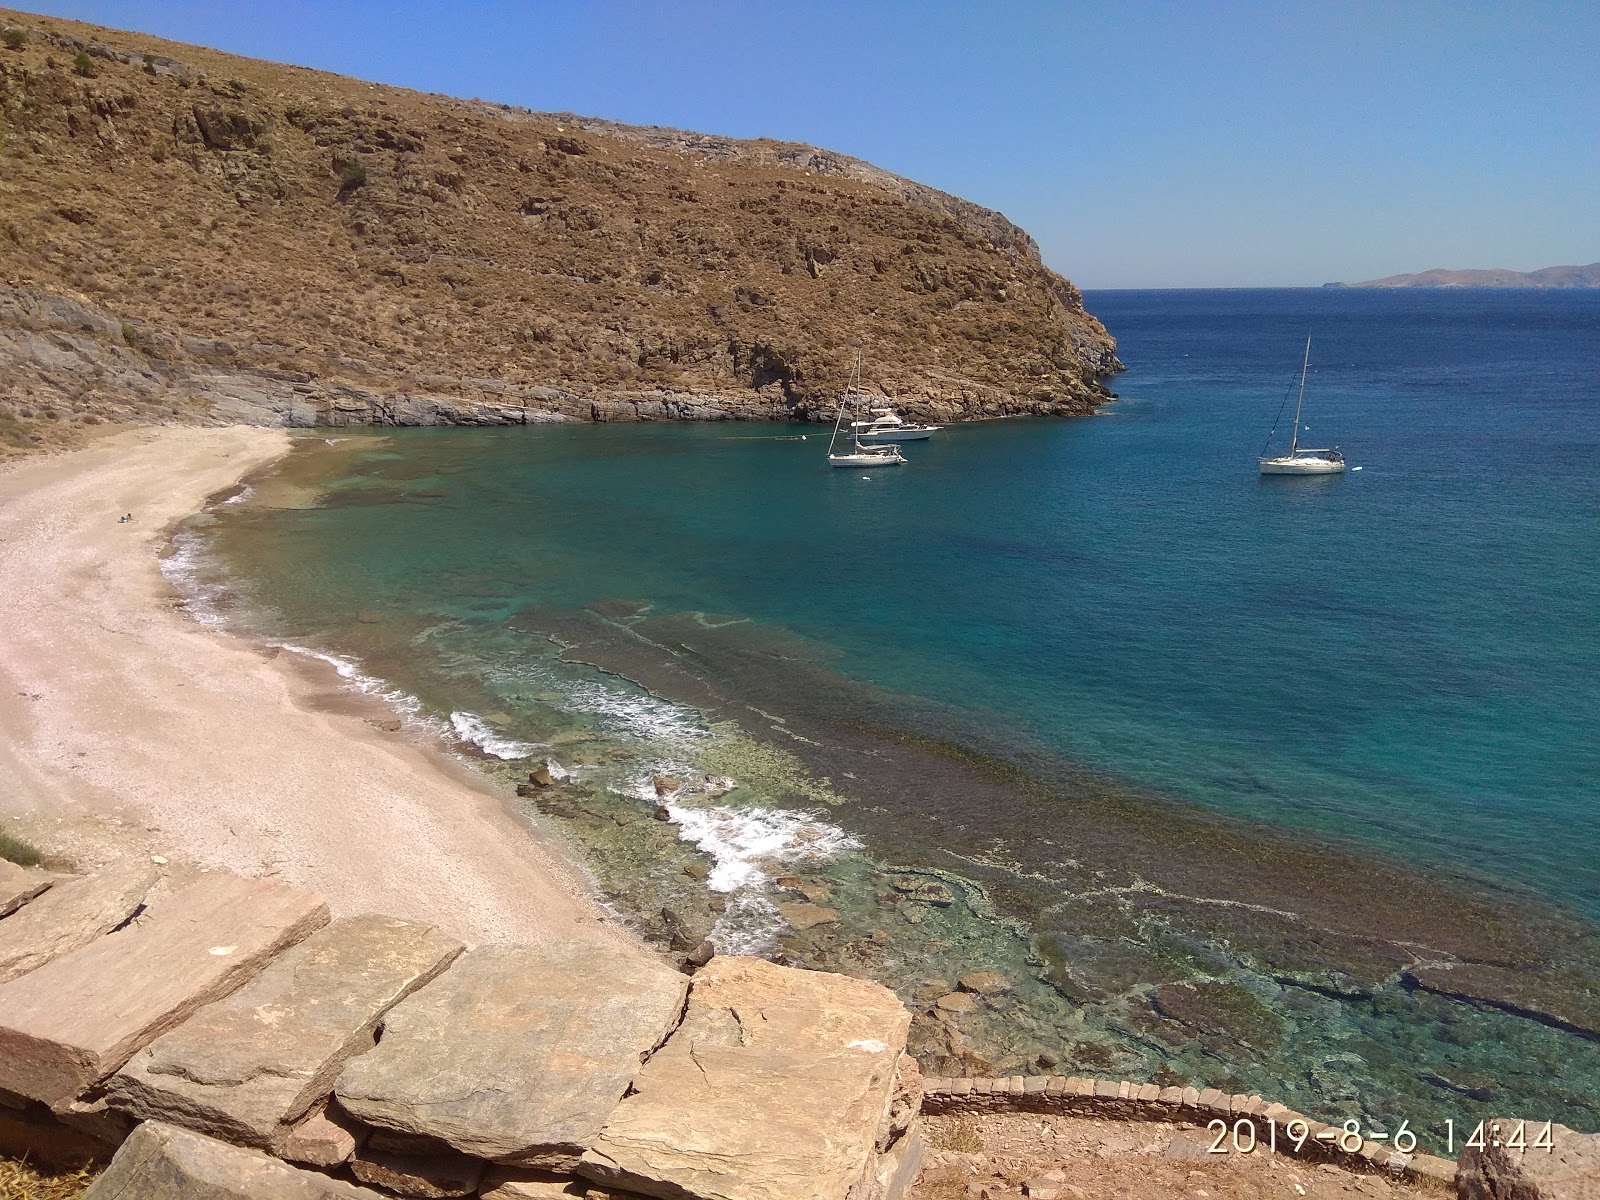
pixel 1127 1100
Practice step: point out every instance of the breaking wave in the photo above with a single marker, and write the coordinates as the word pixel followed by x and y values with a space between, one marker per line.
pixel 474 730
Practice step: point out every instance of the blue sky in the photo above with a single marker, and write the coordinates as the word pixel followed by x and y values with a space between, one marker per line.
pixel 1158 144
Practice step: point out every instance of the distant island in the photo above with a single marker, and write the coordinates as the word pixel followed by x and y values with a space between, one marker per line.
pixel 1545 277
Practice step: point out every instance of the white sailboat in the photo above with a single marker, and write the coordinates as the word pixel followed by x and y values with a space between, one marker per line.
pixel 858 455
pixel 1300 460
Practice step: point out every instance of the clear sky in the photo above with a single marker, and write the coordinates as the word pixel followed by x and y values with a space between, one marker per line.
pixel 1156 144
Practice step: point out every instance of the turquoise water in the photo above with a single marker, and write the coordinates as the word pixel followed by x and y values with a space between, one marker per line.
pixel 1097 631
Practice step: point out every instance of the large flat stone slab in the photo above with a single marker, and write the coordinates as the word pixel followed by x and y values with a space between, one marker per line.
pixel 777 1086
pixel 249 1066
pixel 517 1054
pixel 163 1162
pixel 18 885
pixel 72 1022
pixel 72 914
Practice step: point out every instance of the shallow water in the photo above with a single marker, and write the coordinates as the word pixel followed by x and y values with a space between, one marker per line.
pixel 1040 700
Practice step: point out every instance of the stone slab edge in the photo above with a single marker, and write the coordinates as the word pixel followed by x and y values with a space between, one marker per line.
pixel 1131 1101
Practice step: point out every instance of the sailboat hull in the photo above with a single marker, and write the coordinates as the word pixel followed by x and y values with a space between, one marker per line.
pixel 866 460
pixel 1300 466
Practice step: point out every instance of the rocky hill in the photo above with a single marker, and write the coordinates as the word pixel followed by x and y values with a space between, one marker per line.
pixel 1439 277
pixel 186 234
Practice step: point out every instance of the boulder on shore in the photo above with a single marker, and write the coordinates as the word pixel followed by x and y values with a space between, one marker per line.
pixel 517 1054
pixel 248 1067
pixel 130 987
pixel 163 1162
pixel 816 1055
pixel 1563 1166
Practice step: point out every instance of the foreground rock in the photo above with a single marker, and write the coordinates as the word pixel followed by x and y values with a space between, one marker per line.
pixel 18 885
pixel 129 987
pixel 161 1162
pixel 517 1054
pixel 248 1067
pixel 778 1084
pixel 1568 1170
pixel 72 914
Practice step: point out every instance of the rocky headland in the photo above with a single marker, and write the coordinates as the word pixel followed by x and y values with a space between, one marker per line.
pixel 193 236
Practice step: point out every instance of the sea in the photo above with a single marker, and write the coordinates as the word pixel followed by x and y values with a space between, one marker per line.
pixel 1277 784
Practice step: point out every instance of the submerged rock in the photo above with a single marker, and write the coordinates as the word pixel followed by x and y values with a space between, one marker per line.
pixel 806 916
pixel 1221 1008
pixel 1565 999
pixel 984 983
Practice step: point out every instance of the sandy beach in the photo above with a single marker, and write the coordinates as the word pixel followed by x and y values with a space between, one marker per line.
pixel 128 728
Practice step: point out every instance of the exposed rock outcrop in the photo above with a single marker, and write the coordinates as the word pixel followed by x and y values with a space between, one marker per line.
pixel 1561 1166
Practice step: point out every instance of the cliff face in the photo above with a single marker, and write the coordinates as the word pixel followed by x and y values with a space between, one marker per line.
pixel 394 256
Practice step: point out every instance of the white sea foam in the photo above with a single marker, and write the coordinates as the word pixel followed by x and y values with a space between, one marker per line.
pixel 349 670
pixel 634 712
pixel 474 729
pixel 624 709
pixel 745 843
pixel 750 924
pixel 185 569
pixel 243 495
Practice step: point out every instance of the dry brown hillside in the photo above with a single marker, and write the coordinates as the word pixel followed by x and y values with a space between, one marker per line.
pixel 186 234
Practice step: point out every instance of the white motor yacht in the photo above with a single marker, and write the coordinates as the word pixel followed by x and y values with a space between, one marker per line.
pixel 886 425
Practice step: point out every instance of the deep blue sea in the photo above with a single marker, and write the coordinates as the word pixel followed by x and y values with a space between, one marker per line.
pixel 1405 658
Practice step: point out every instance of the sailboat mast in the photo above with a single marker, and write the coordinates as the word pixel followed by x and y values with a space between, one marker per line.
pixel 855 391
pixel 1294 441
pixel 846 402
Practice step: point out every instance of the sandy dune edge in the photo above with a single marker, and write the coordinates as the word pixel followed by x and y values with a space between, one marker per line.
pixel 126 728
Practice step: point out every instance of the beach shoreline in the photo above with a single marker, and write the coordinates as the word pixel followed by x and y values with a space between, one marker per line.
pixel 128 728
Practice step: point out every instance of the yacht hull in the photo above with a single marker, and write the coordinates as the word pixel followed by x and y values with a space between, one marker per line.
pixel 897 435
pixel 1300 466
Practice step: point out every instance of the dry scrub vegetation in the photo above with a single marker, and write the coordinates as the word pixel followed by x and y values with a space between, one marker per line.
pixel 21 1181
pixel 287 219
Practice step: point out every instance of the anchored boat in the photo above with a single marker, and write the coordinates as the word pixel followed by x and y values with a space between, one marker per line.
pixel 886 425
pixel 1300 460
pixel 858 455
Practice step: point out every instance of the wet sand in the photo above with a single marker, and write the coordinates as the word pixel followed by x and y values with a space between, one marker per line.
pixel 128 728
